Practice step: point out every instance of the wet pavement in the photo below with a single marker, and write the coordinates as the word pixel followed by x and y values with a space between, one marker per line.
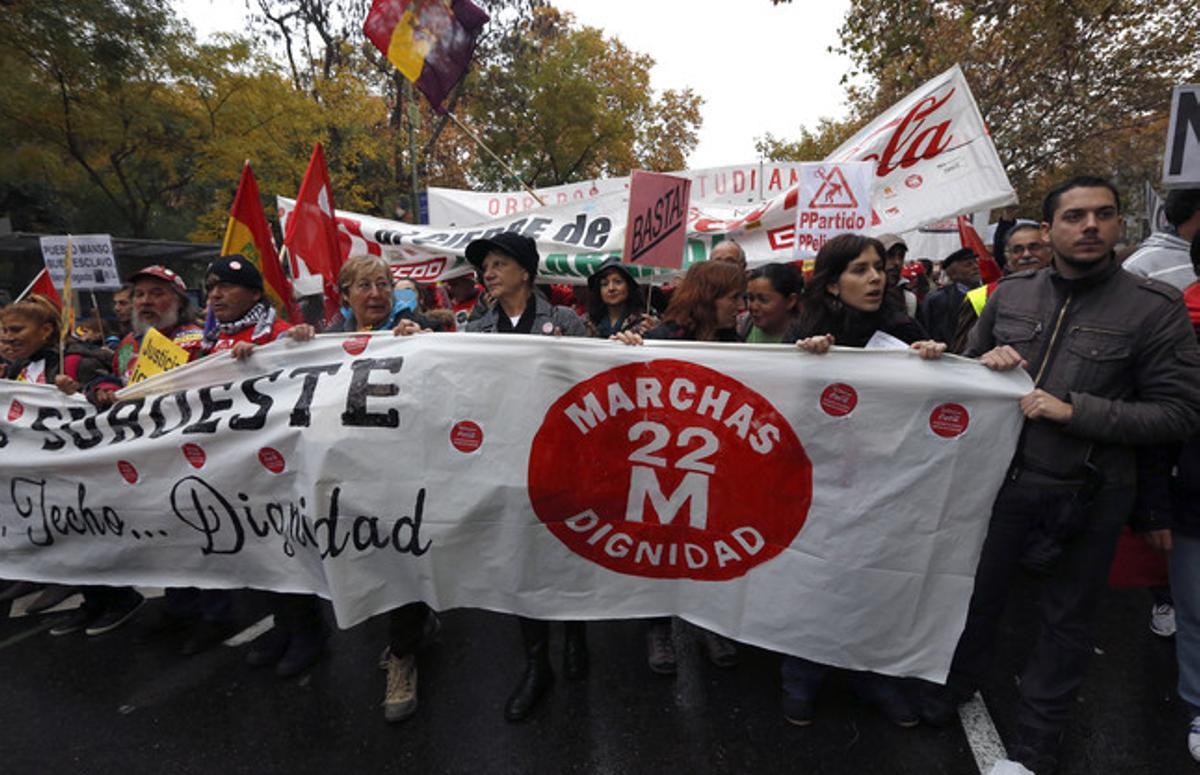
pixel 74 704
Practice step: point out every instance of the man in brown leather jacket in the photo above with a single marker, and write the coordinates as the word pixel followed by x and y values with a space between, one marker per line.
pixel 1115 364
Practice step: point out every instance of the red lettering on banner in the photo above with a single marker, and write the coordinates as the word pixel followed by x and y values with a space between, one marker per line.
pixel 419 270
pixel 493 206
pixel 912 141
pixel 739 181
pixel 644 470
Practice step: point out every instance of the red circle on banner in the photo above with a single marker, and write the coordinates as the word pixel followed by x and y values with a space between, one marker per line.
pixel 669 469
pixel 271 460
pixel 194 454
pixel 127 471
pixel 466 436
pixel 839 399
pixel 949 420
pixel 356 344
pixel 15 410
pixel 914 181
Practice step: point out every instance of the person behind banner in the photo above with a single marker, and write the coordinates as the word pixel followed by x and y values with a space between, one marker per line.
pixel 1027 252
pixel 939 312
pixel 845 302
pixel 704 308
pixel 773 298
pixel 1115 364
pixel 1164 254
pixel 244 321
pixel 373 303
pixel 161 302
pixel 122 301
pixel 616 301
pixel 509 263
pixel 30 332
pixel 466 300
pixel 893 267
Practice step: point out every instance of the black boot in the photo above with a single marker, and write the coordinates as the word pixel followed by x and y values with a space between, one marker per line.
pixel 575 653
pixel 538 676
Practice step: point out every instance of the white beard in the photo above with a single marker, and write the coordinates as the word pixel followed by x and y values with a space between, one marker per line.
pixel 140 327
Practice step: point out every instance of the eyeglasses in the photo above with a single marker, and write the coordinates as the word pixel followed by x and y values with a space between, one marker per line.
pixel 366 286
pixel 1032 247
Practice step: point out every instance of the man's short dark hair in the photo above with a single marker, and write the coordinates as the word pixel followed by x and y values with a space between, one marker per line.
pixel 1181 204
pixel 962 254
pixel 1020 226
pixel 1050 204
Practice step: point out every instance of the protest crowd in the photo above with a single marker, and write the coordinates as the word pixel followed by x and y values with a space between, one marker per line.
pixel 825 263
pixel 1111 436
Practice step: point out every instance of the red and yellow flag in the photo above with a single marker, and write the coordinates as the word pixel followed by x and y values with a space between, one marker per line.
pixel 429 41
pixel 248 233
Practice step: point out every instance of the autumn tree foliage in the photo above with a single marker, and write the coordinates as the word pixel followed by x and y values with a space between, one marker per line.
pixel 1064 87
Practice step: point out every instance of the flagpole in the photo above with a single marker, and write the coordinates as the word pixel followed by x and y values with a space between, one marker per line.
pixel 29 287
pixel 68 311
pixel 492 153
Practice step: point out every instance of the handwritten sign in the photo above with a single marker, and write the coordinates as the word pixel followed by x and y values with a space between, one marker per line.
pixel 657 224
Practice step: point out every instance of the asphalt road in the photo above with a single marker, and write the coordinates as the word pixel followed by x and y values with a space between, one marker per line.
pixel 75 704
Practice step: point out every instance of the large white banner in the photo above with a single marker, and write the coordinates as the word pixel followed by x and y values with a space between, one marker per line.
pixel 810 504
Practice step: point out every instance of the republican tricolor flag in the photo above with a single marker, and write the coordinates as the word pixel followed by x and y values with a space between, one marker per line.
pixel 429 41
pixel 248 233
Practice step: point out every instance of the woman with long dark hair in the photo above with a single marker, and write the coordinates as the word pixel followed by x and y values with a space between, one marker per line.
pixel 845 303
pixel 704 308
pixel 615 301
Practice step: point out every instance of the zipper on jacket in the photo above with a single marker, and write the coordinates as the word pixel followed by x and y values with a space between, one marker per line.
pixel 1062 313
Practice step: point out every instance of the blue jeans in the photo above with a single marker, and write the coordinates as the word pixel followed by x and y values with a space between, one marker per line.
pixel 1185 587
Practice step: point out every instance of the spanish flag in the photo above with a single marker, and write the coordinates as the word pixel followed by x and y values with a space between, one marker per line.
pixel 429 41
pixel 248 233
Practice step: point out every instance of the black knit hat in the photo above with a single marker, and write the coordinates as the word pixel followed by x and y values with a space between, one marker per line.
pixel 236 269
pixel 615 264
pixel 520 248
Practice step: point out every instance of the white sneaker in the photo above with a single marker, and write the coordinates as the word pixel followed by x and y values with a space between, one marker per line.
pixel 1194 738
pixel 1162 620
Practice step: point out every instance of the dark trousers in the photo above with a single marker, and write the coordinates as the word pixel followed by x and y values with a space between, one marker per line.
pixel 535 633
pixel 208 605
pixel 406 627
pixel 99 599
pixel 297 614
pixel 1066 601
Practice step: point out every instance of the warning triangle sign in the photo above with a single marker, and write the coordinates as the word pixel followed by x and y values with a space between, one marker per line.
pixel 834 191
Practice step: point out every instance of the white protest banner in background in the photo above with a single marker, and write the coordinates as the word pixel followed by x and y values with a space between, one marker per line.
pixel 95 266
pixel 933 157
pixel 1181 161
pixel 809 504
pixel 834 199
pixel 738 184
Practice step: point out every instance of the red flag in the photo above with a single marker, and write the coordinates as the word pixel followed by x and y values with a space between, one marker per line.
pixel 989 270
pixel 430 43
pixel 42 285
pixel 247 233
pixel 312 235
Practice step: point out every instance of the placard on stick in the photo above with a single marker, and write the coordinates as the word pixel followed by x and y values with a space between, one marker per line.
pixel 1181 161
pixel 656 230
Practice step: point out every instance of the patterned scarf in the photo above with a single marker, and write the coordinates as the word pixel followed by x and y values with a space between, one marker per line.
pixel 261 316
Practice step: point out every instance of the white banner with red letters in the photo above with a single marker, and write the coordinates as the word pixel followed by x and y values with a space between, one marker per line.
pixel 932 155
pixel 827 506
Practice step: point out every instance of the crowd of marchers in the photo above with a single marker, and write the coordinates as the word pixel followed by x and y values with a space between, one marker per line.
pixel 1111 437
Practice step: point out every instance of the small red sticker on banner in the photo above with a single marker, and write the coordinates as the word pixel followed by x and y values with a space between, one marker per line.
pixel 839 399
pixel 914 181
pixel 949 420
pixel 356 344
pixel 466 436
pixel 194 455
pixel 271 460
pixel 15 410
pixel 668 469
pixel 127 471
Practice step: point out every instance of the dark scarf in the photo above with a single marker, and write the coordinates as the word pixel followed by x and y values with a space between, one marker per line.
pixel 261 316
